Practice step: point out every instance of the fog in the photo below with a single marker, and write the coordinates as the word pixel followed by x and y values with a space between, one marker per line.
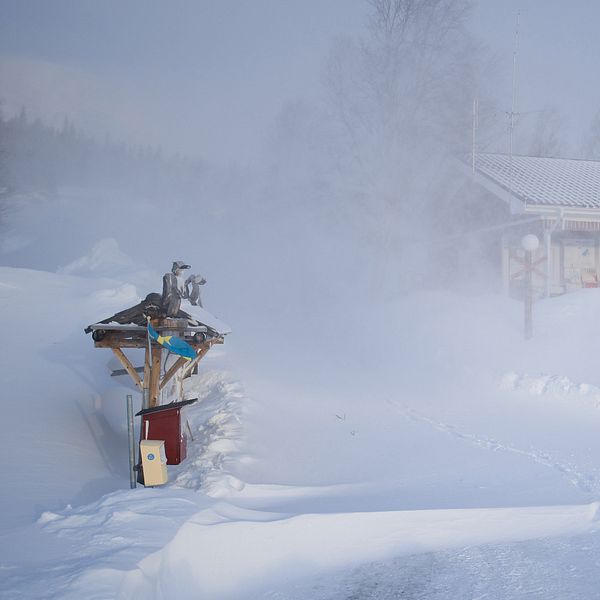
pixel 305 157
pixel 201 78
pixel 376 397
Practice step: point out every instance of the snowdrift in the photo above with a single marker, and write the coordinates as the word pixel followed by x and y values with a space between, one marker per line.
pixel 445 430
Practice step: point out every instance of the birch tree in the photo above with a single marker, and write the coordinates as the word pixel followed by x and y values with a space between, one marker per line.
pixel 547 138
pixel 401 101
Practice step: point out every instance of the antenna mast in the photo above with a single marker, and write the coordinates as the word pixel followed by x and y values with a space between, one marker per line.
pixel 475 125
pixel 512 113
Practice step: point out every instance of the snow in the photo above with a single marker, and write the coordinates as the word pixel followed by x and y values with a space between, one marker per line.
pixel 291 548
pixel 540 569
pixel 105 256
pixel 202 315
pixel 54 381
pixel 432 454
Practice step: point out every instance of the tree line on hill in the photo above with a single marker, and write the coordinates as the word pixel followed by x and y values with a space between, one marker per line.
pixel 35 156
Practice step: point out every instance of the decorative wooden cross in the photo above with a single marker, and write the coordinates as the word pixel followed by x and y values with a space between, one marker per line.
pixel 528 268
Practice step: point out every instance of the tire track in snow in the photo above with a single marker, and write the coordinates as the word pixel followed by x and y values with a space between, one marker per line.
pixel 585 482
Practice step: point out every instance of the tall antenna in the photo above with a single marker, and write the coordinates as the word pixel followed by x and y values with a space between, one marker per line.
pixel 475 125
pixel 513 114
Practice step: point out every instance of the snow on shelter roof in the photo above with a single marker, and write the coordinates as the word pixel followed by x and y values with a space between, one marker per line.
pixel 547 181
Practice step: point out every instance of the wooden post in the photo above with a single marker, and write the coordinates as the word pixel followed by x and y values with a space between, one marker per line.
pixel 528 295
pixel 199 356
pixel 128 366
pixel 549 259
pixel 146 381
pixel 180 362
pixel 130 436
pixel 155 375
pixel 505 266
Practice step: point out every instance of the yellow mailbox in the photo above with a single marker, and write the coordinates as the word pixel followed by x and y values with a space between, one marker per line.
pixel 154 462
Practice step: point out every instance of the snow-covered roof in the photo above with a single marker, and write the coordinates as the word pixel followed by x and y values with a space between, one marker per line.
pixel 546 181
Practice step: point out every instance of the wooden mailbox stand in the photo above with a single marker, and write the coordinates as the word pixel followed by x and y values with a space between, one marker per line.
pixel 119 337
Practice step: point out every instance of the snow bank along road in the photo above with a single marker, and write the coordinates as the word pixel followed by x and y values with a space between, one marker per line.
pixel 208 534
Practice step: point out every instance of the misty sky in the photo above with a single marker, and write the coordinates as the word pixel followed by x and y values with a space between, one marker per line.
pixel 559 48
pixel 207 77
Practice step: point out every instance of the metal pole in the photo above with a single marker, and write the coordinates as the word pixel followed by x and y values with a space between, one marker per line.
pixel 528 295
pixel 132 478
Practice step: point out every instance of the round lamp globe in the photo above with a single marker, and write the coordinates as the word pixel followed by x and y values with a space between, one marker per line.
pixel 530 242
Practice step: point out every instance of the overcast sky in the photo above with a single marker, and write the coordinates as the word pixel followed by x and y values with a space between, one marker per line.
pixel 206 77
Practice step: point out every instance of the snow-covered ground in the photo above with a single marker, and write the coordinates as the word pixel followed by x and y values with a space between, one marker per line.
pixel 414 449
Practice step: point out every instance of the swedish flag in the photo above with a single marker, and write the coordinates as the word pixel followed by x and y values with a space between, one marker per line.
pixel 172 343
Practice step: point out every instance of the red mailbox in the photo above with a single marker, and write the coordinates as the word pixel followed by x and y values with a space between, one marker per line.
pixel 165 423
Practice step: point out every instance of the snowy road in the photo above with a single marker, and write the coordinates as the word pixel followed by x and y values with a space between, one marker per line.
pixel 565 569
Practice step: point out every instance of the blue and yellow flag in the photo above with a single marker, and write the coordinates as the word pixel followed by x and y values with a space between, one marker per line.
pixel 173 344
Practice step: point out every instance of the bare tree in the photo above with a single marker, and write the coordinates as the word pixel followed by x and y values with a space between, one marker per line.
pixel 590 147
pixel 409 84
pixel 547 137
pixel 401 100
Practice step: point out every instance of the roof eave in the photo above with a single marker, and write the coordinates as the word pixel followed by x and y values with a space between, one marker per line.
pixel 515 203
pixel 566 212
